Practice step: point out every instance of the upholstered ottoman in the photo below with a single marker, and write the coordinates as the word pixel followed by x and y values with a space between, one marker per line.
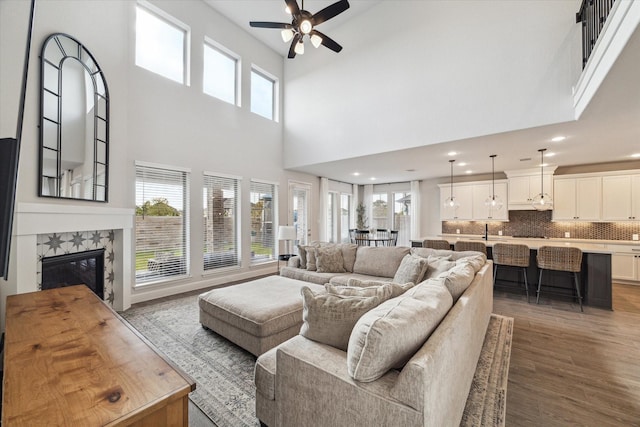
pixel 256 315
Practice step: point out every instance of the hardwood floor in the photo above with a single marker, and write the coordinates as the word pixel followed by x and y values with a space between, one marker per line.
pixel 570 368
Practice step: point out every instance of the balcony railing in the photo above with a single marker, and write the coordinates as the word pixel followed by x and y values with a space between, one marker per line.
pixel 593 14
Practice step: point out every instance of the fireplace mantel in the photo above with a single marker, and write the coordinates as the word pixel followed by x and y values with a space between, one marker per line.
pixel 33 219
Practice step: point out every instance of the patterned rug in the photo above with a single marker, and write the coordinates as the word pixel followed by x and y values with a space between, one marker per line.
pixel 223 371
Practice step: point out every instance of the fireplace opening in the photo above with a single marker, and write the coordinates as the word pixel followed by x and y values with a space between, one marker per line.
pixel 75 269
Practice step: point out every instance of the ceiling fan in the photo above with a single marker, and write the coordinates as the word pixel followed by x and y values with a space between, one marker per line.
pixel 303 24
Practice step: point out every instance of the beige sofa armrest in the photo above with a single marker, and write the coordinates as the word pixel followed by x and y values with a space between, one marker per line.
pixel 313 388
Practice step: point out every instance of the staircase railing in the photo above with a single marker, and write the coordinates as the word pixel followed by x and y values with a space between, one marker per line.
pixel 593 14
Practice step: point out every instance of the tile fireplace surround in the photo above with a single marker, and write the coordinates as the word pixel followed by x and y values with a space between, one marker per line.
pixel 33 220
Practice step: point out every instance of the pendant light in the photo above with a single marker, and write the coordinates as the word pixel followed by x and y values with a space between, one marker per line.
pixel 542 201
pixel 493 201
pixel 451 202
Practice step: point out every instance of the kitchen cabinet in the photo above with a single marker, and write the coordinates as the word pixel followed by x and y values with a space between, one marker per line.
pixel 577 199
pixel 480 194
pixel 464 195
pixel 625 262
pixel 621 198
pixel 525 184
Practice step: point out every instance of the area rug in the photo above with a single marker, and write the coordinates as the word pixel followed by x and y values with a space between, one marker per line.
pixel 223 372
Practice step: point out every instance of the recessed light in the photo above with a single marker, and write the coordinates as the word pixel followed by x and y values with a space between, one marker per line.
pixel 635 155
pixel 462 164
pixel 558 138
pixel 451 153
pixel 373 178
pixel 356 174
pixel 469 171
pixel 410 170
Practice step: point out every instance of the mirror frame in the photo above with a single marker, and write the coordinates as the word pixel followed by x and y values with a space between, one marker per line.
pixel 60 41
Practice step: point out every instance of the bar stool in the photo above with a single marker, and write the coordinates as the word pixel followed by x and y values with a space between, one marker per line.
pixel 436 244
pixel 560 258
pixel 511 255
pixel 464 245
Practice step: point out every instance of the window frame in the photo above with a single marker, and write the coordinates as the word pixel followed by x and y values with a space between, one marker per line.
pixel 274 223
pixel 219 48
pixel 275 103
pixel 155 279
pixel 237 223
pixel 171 21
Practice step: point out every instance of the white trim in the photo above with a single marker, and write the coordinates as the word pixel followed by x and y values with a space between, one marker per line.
pixel 161 166
pixel 222 175
pixel 264 181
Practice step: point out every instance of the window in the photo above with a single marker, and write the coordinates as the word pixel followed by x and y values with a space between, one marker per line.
pixel 162 43
pixel 162 223
pixel 402 217
pixel 391 210
pixel 379 215
pixel 220 202
pixel 263 203
pixel 299 194
pixel 263 94
pixel 220 77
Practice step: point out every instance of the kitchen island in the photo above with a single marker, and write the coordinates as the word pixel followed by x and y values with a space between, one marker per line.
pixel 595 274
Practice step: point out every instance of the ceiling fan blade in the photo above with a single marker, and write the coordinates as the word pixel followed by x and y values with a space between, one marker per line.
pixel 330 11
pixel 261 24
pixel 292 51
pixel 293 7
pixel 328 41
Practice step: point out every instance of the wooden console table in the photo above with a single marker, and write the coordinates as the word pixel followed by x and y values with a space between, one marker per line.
pixel 69 359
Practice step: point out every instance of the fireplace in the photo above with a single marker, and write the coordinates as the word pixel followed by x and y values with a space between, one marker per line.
pixel 85 267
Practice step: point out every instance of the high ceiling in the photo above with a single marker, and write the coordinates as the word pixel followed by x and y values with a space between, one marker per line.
pixel 608 130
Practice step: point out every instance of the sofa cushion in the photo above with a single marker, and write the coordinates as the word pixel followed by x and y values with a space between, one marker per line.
pixel 329 318
pixel 329 260
pixel 388 335
pixel 458 279
pixel 397 289
pixel 379 261
pixel 412 269
pixel 384 291
pixel 310 276
pixel 438 265
pixel 342 279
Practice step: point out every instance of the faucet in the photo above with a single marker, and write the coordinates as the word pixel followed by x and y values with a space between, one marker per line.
pixel 486 232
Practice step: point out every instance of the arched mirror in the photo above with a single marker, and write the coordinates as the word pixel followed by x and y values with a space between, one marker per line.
pixel 74 122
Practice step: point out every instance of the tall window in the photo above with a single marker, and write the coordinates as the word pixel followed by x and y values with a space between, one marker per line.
pixel 379 214
pixel 345 217
pixel 402 217
pixel 220 77
pixel 162 43
pixel 263 94
pixel 299 211
pixel 220 202
pixel 263 214
pixel 162 223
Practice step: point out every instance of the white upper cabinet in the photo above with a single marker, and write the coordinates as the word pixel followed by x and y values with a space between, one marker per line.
pixel 480 194
pixel 525 184
pixel 464 196
pixel 577 199
pixel 621 198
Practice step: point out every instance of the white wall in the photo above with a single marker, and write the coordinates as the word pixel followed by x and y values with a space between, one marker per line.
pixel 429 72
pixel 153 119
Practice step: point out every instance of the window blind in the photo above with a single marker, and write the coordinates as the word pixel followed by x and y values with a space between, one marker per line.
pixel 162 223
pixel 220 202
pixel 263 202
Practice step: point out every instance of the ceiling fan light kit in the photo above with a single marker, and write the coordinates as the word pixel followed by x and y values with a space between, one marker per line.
pixel 303 24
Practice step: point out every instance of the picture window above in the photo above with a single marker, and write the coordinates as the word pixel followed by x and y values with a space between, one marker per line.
pixel 263 90
pixel 161 43
pixel 220 76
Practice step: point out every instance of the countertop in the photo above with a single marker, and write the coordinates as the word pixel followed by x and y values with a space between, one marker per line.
pixel 592 246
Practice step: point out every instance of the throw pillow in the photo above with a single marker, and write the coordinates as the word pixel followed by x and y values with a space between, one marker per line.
pixel 388 336
pixel 329 260
pixel 458 279
pixel 329 318
pixel 412 269
pixel 384 292
pixel 302 253
pixel 438 265
pixel 397 289
pixel 311 258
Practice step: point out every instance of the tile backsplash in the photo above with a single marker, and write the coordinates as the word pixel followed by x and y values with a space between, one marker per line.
pixel 536 223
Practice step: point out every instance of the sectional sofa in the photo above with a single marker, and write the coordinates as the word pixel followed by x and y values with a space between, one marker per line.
pixel 408 360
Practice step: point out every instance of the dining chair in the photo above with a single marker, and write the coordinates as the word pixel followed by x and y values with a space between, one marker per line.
pixel 361 237
pixel 393 238
pixel 352 235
